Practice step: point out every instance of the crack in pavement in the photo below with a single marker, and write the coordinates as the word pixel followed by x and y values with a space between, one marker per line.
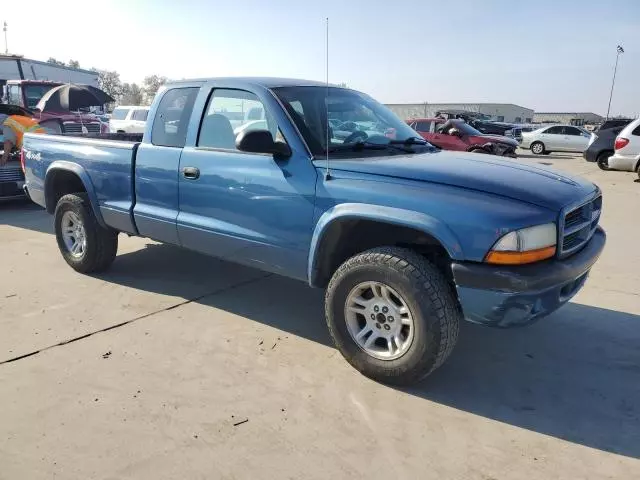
pixel 140 317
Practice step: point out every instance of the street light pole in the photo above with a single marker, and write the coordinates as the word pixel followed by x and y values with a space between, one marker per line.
pixel 6 45
pixel 619 50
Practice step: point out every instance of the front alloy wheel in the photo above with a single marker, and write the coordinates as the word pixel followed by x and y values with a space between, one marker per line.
pixel 537 148
pixel 379 320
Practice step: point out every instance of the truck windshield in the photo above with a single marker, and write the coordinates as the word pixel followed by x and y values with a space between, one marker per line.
pixel 353 118
pixel 33 93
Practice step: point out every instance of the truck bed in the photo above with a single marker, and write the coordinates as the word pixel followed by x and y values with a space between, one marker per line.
pixel 103 161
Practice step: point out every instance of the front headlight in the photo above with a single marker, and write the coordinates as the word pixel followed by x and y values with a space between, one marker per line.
pixel 524 246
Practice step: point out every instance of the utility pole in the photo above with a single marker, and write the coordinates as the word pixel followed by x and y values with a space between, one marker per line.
pixel 6 45
pixel 619 50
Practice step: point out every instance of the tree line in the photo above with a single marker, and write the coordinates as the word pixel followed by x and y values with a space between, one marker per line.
pixel 124 93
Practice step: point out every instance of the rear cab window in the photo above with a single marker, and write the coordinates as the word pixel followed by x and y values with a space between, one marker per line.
pixel 172 117
pixel 119 114
pixel 636 131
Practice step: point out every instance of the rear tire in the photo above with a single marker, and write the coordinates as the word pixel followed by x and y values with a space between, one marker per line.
pixel 85 245
pixel 427 315
pixel 603 160
pixel 537 148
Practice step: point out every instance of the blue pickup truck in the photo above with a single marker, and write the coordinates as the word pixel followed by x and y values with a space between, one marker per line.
pixel 408 240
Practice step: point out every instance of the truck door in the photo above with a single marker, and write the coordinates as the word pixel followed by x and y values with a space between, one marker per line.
pixel 246 207
pixel 157 161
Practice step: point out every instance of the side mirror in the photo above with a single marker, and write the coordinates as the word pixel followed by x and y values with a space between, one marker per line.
pixel 261 141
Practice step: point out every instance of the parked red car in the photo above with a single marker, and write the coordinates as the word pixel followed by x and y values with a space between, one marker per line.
pixel 458 135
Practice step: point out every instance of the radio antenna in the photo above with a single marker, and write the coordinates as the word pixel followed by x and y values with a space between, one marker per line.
pixel 327 175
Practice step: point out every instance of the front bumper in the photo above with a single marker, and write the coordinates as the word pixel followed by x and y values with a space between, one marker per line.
pixel 507 296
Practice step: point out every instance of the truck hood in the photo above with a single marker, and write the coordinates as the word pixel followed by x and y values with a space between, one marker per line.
pixel 484 173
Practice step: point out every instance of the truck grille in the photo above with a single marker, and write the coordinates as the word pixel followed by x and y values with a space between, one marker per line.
pixel 579 225
pixel 76 127
pixel 11 174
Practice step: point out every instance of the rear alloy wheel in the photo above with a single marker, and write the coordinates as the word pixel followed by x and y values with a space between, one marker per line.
pixel 537 148
pixel 603 160
pixel 84 244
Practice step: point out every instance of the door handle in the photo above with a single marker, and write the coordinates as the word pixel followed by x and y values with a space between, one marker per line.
pixel 191 173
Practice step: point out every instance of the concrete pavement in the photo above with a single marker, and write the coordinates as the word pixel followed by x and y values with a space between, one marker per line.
pixel 173 365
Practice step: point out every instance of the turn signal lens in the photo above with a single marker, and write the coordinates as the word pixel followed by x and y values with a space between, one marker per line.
pixel 523 246
pixel 521 258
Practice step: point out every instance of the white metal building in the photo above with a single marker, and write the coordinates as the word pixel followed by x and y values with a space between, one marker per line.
pixel 16 67
pixel 501 112
pixel 570 118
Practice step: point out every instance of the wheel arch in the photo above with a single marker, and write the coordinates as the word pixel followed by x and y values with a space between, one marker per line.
pixel 63 178
pixel 369 226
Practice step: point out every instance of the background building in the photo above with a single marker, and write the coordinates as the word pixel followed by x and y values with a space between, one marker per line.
pixel 572 118
pixel 16 67
pixel 501 112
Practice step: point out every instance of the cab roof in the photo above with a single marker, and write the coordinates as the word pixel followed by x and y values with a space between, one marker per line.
pixel 266 82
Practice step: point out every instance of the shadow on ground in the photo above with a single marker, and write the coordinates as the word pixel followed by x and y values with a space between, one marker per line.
pixel 25 214
pixel 574 376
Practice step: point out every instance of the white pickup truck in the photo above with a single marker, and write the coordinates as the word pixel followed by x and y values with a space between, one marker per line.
pixel 129 119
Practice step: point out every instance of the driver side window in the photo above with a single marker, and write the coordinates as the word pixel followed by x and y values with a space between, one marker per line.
pixel 230 113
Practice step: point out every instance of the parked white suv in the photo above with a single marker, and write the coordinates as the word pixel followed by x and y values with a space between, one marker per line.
pixel 129 119
pixel 627 149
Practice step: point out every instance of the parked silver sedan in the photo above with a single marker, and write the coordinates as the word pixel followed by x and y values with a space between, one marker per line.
pixel 556 138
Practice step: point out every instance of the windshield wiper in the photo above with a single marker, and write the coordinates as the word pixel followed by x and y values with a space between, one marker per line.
pixel 409 141
pixel 361 145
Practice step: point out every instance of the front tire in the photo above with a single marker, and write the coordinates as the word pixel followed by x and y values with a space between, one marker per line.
pixel 537 148
pixel 85 245
pixel 392 314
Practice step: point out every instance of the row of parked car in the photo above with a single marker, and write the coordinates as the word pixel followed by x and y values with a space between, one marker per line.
pixel 614 145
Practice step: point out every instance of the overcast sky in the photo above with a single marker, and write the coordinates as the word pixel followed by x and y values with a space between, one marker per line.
pixel 547 55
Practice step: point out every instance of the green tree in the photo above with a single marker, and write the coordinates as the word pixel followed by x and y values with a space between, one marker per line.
pixel 109 82
pixel 54 61
pixel 150 86
pixel 73 64
pixel 132 94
